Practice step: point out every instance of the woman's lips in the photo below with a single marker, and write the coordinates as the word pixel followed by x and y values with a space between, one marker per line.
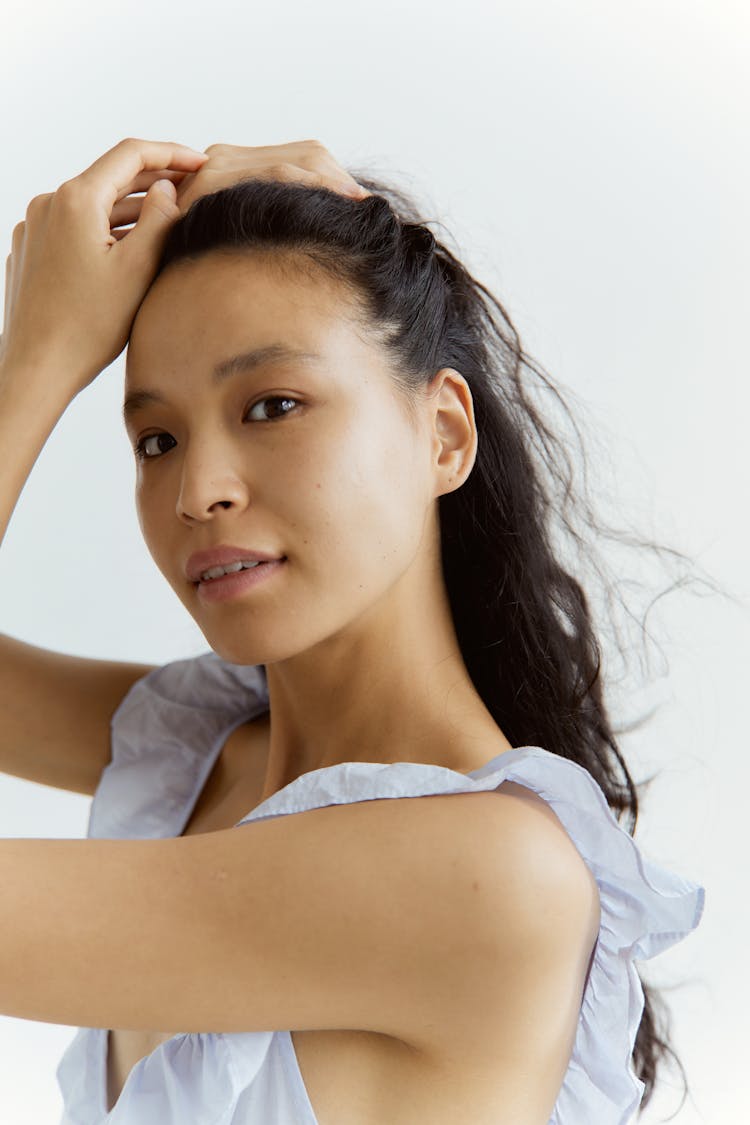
pixel 223 554
pixel 234 585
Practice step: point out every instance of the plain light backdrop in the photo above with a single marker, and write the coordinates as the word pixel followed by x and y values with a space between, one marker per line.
pixel 591 161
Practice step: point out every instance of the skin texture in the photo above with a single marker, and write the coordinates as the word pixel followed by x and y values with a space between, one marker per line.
pixel 355 630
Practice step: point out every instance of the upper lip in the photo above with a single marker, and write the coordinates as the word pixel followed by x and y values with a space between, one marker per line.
pixel 222 556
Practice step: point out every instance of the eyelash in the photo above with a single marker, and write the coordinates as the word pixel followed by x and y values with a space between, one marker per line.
pixel 139 449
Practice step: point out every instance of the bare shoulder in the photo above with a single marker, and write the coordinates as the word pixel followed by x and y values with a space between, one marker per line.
pixel 536 919
pixel 516 838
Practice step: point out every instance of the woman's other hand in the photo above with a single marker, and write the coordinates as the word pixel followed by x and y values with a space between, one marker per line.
pixel 306 162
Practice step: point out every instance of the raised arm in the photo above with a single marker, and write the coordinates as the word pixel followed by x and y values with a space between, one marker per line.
pixel 72 290
pixel 55 709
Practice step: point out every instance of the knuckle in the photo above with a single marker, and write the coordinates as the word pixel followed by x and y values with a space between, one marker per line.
pixel 312 160
pixel 37 203
pixel 282 171
pixel 67 190
pixel 320 157
pixel 71 194
pixel 214 149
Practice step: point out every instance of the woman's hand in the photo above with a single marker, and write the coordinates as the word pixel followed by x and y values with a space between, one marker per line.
pixel 72 287
pixel 307 162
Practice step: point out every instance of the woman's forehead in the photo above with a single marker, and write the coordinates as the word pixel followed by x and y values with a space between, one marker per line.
pixel 228 308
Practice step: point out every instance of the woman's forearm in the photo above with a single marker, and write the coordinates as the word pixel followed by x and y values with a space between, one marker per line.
pixel 31 404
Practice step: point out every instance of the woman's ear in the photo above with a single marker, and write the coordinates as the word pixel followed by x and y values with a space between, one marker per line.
pixel 454 430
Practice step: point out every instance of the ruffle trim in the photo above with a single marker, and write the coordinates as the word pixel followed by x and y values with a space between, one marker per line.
pixel 165 736
pixel 645 908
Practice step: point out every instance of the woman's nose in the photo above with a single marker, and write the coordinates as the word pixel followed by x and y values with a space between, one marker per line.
pixel 207 486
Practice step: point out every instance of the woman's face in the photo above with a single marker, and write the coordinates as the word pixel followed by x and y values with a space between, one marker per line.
pixel 334 476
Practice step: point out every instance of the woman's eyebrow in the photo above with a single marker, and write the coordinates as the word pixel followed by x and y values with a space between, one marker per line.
pixel 242 362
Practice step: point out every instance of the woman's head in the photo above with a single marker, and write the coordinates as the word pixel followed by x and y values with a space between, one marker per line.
pixel 481 489
pixel 311 452
pixel 370 286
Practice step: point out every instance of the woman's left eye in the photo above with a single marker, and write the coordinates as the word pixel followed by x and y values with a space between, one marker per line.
pixel 271 398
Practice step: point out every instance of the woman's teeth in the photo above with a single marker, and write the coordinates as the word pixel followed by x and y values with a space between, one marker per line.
pixel 232 568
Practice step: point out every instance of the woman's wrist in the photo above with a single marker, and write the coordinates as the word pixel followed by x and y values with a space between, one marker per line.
pixel 30 408
pixel 34 380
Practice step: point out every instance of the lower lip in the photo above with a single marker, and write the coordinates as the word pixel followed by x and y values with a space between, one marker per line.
pixel 233 585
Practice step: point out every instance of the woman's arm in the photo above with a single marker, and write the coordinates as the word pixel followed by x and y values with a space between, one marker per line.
pixel 55 709
pixel 462 924
pixel 71 291
pixel 31 404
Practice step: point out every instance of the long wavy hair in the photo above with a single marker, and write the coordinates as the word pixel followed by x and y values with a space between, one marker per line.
pixel 523 619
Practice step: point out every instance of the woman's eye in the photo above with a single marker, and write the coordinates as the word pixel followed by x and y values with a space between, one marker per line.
pixel 141 448
pixel 271 398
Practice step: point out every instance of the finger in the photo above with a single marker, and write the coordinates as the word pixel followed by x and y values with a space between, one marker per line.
pixel 344 185
pixel 317 162
pixel 110 175
pixel 285 173
pixel 332 175
pixel 18 246
pixel 8 291
pixel 352 188
pixel 318 158
pixel 127 210
pixel 144 181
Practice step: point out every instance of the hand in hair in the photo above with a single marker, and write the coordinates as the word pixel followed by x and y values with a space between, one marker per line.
pixel 73 280
pixel 307 162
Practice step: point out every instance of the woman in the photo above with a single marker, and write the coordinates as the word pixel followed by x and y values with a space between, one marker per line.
pixel 336 475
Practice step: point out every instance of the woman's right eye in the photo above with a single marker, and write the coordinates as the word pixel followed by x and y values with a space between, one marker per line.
pixel 141 451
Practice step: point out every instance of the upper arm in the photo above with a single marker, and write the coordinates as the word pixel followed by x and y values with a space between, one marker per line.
pixel 462 924
pixel 55 712
pixel 387 915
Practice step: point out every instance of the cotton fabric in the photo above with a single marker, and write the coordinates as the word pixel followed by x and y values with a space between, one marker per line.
pixel 166 735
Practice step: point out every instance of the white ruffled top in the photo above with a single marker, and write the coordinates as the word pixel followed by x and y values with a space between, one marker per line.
pixel 166 735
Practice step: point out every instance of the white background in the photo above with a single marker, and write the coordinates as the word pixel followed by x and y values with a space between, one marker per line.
pixel 591 160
